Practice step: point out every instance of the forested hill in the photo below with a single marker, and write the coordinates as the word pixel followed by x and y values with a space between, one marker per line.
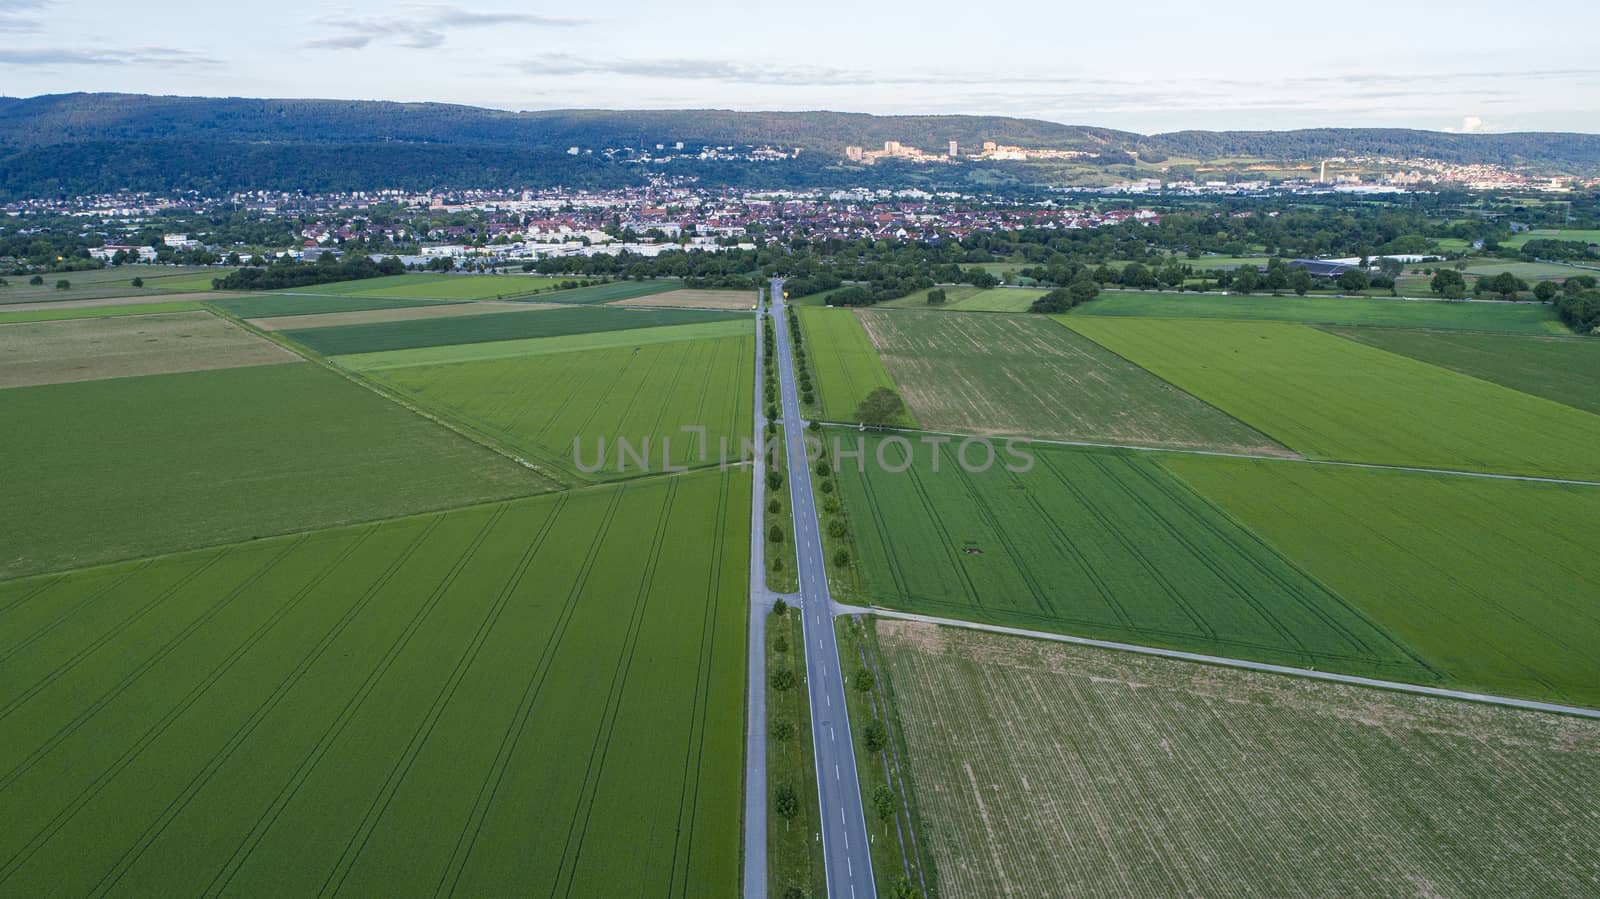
pixel 91 143
pixel 72 118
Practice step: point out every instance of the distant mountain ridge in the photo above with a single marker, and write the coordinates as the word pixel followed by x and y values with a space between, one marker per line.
pixel 87 143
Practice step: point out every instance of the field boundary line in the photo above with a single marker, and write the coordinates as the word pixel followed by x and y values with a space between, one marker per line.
pixel 1225 662
pixel 1132 447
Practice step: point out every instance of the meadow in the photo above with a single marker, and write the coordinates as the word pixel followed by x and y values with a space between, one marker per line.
pixel 109 282
pixel 1510 318
pixel 1050 770
pixel 538 404
pixel 1098 543
pixel 436 287
pixel 50 315
pixel 1027 375
pixel 1492 582
pixel 845 363
pixel 1566 370
pixel 269 305
pixel 1530 272
pixel 743 300
pixel 88 349
pixel 971 299
pixel 1333 398
pixel 537 346
pixel 113 469
pixel 541 322
pixel 1516 241
pixel 536 697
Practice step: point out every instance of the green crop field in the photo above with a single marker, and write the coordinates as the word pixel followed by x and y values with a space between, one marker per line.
pixel 269 305
pixel 1049 770
pixel 542 697
pixel 843 358
pixel 1027 375
pixel 404 335
pixel 1529 271
pixel 114 469
pixel 108 282
pixel 1491 581
pixel 536 346
pixel 1512 318
pixel 1098 543
pixel 435 287
pixel 1516 241
pixel 1337 399
pixel 1566 370
pixel 616 290
pixel 1000 299
pixel 539 404
pixel 49 315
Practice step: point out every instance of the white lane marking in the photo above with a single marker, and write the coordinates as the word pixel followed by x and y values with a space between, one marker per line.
pixel 828 698
pixel 835 772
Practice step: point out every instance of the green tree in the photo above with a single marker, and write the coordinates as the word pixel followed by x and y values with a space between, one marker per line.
pixel 775 534
pixel 36 280
pixel 874 736
pixel 774 480
pixel 936 296
pixel 779 607
pixel 785 802
pixel 1300 280
pixel 824 469
pixel 63 284
pixel 1545 291
pixel 781 678
pixel 781 729
pixel 883 802
pixel 773 506
pixel 863 679
pixel 836 529
pixel 1354 280
pixel 138 282
pixel 1083 290
pixel 1449 283
pixel 903 889
pixel 881 407
pixel 841 558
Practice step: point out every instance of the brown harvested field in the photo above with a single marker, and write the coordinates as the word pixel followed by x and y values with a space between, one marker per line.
pixel 403 314
pixel 1043 769
pixel 90 349
pixel 1025 375
pixel 135 300
pixel 695 299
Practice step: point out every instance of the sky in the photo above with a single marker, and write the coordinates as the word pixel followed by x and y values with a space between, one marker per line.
pixel 1159 65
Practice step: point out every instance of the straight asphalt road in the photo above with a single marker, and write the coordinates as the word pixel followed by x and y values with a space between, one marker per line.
pixel 846 852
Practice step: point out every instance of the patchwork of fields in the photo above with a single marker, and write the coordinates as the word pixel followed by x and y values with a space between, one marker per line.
pixel 127 467
pixel 534 322
pixel 537 697
pixel 1491 582
pixel 536 346
pixel 1337 399
pixel 1510 318
pixel 846 364
pixel 393 314
pixel 994 374
pixel 1101 544
pixel 540 403
pixel 1050 770
pixel 1564 370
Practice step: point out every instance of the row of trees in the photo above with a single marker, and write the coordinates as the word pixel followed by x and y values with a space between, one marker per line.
pixel 287 272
